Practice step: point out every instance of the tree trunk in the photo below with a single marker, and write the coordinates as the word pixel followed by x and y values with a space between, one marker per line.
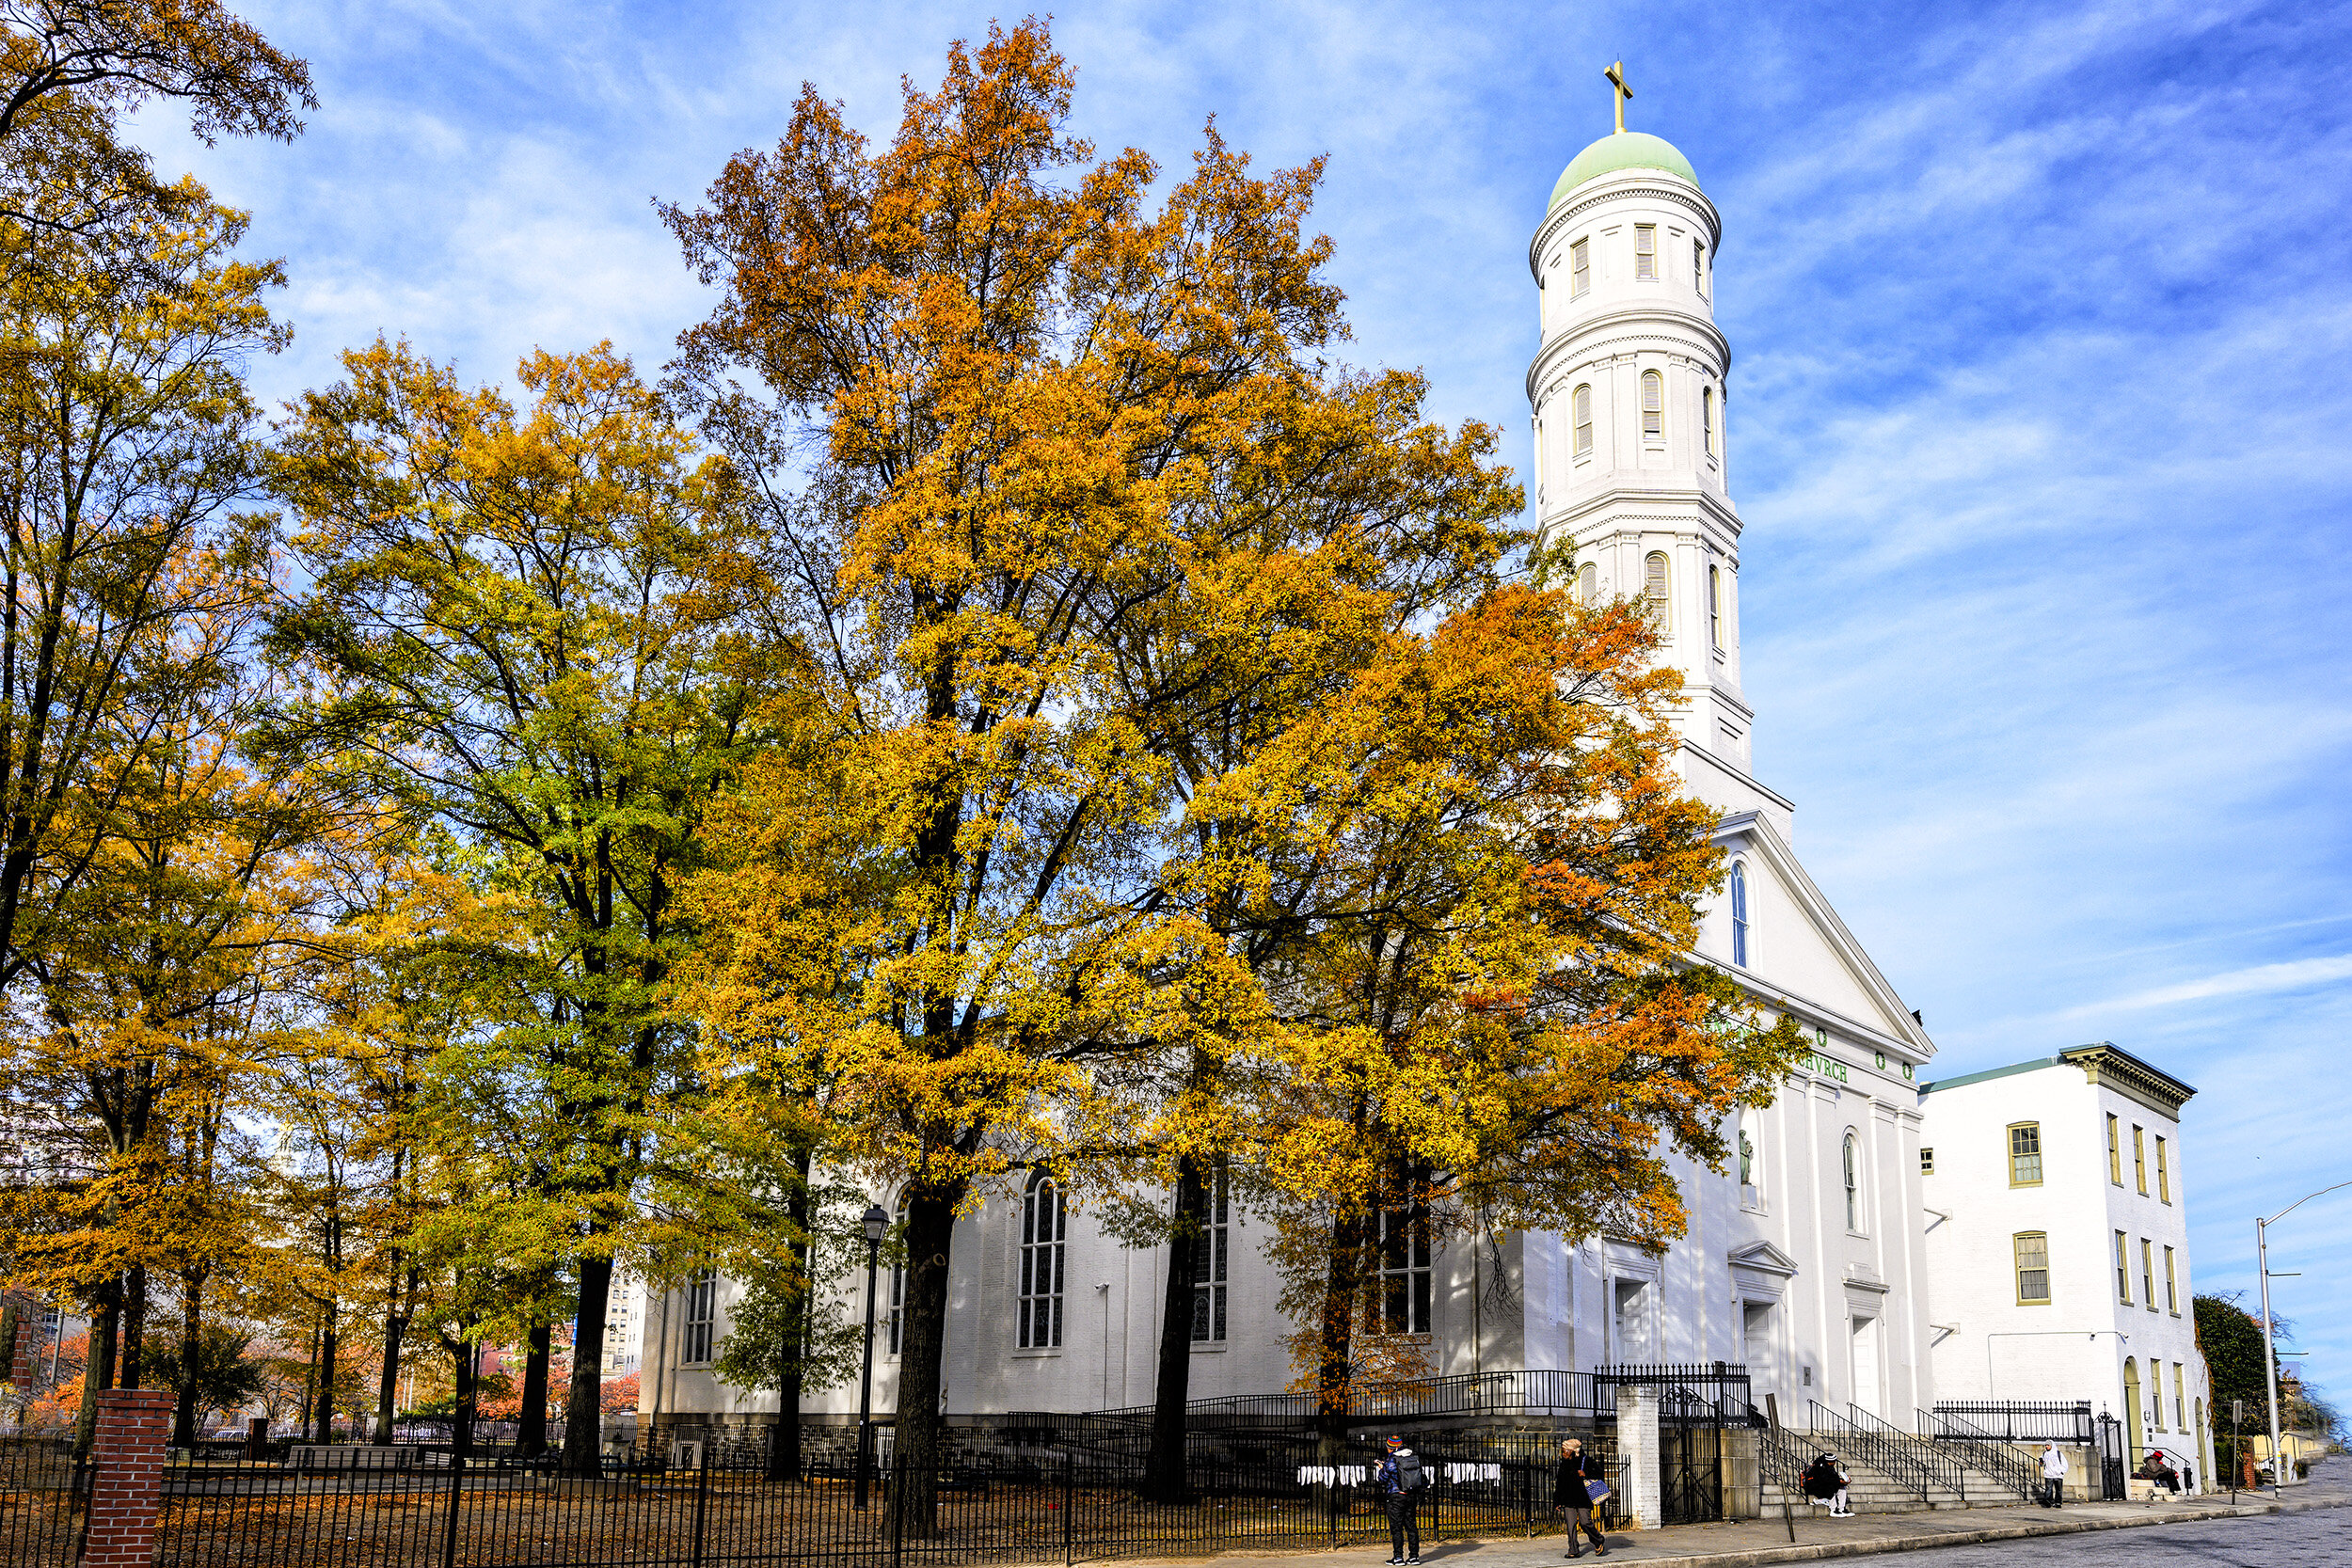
pixel 98 1370
pixel 923 1318
pixel 783 1454
pixel 469 1395
pixel 530 1434
pixel 1164 1469
pixel 584 1403
pixel 1335 1370
pixel 134 1327
pixel 324 1409
pixel 191 1359
pixel 388 1381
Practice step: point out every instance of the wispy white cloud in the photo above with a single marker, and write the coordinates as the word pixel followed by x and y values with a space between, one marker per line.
pixel 2300 975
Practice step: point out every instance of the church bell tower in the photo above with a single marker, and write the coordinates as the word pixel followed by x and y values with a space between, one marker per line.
pixel 1631 456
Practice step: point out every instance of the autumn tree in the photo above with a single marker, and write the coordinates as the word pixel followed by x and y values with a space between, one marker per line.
pixel 523 625
pixel 1014 432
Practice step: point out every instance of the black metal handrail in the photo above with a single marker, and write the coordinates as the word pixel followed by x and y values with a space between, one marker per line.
pixel 1982 1453
pixel 1946 1471
pixel 1894 1464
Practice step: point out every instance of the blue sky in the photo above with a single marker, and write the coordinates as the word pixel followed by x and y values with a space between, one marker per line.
pixel 2037 420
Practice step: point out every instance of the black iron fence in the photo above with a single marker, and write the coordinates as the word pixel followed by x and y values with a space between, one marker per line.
pixel 999 1509
pixel 44 1502
pixel 2011 1420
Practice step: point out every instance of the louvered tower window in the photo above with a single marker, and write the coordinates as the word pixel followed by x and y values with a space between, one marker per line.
pixel 1706 417
pixel 1583 404
pixel 1653 406
pixel 1587 584
pixel 1653 587
pixel 1645 250
pixel 1580 270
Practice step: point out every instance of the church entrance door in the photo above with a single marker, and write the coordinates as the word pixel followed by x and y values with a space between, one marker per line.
pixel 1865 1364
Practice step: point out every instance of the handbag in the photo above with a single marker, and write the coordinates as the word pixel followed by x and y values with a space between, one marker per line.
pixel 1596 1493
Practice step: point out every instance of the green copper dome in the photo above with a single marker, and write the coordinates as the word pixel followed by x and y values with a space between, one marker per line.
pixel 1623 150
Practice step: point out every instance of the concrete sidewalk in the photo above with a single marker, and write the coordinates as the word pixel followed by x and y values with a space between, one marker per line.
pixel 1749 1543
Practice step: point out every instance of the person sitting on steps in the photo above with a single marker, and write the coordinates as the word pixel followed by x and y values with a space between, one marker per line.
pixel 1825 1481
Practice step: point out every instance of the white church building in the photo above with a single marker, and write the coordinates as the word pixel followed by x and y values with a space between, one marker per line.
pixel 1810 1260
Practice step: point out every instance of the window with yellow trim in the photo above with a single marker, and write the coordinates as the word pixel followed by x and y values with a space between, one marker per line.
pixel 2115 1153
pixel 2024 1154
pixel 2122 1268
pixel 2163 1172
pixel 2032 1248
pixel 2139 1158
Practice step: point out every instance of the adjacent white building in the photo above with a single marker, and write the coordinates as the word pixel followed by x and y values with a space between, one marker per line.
pixel 2058 1243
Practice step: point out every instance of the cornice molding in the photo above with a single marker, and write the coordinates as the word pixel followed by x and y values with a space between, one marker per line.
pixel 2127 1075
pixel 1659 330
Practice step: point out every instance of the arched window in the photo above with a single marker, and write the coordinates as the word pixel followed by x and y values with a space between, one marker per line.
pixel 1653 587
pixel 1706 417
pixel 702 1317
pixel 1854 1183
pixel 1042 1227
pixel 1583 404
pixel 1739 914
pixel 898 1277
pixel 1587 585
pixel 1653 406
pixel 1209 1258
pixel 1715 607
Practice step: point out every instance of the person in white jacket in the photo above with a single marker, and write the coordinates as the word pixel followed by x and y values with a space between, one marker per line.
pixel 2053 1476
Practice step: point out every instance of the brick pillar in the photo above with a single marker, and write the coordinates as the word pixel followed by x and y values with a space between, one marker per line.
pixel 20 1326
pixel 1637 1445
pixel 127 1490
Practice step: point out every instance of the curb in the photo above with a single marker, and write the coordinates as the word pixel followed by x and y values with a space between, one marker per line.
pixel 1757 1557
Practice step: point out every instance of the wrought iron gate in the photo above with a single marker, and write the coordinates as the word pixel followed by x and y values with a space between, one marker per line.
pixel 1690 1457
pixel 2110 1451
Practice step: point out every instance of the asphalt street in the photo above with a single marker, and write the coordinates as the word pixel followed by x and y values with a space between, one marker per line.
pixel 2319 1538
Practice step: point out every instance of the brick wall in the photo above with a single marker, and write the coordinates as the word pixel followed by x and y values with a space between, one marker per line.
pixel 127 1489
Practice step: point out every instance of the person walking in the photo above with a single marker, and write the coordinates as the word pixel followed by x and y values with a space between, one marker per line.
pixel 2053 1476
pixel 1577 1489
pixel 1398 1483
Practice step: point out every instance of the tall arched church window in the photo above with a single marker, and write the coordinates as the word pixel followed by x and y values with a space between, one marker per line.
pixel 1587 585
pixel 898 1277
pixel 702 1317
pixel 1715 607
pixel 1582 402
pixel 1854 1183
pixel 1653 406
pixel 1653 587
pixel 1740 915
pixel 1706 417
pixel 1579 269
pixel 1042 1227
pixel 1211 1257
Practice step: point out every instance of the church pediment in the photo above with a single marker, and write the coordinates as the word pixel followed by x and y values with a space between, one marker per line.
pixel 1861 994
pixel 1764 1258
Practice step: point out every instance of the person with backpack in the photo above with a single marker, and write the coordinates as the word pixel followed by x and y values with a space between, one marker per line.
pixel 1577 1488
pixel 1399 1482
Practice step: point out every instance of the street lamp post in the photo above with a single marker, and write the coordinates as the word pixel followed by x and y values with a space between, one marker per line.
pixel 875 1222
pixel 2270 1357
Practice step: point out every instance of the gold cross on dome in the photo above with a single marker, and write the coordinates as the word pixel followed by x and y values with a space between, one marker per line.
pixel 1618 92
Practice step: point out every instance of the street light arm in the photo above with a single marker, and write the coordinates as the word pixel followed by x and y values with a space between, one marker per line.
pixel 2306 1198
